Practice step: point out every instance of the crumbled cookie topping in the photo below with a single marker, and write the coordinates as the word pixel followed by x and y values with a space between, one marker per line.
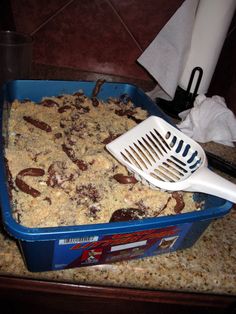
pixel 60 172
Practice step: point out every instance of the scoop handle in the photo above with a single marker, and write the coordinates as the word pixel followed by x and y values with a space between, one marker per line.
pixel 206 181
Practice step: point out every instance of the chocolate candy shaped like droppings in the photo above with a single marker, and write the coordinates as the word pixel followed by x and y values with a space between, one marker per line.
pixel 124 112
pixel 126 214
pixel 24 187
pixel 129 113
pixel 69 152
pixel 38 124
pixel 63 108
pixel 71 155
pixel 136 120
pixel 121 178
pixel 95 101
pixel 97 87
pixel 49 103
pixel 9 178
pixel 178 196
pixel 33 172
pixel 81 164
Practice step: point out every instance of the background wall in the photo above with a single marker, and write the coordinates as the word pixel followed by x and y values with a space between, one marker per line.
pixel 106 36
pixel 99 35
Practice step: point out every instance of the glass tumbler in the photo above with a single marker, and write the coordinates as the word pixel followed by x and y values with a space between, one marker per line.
pixel 15 55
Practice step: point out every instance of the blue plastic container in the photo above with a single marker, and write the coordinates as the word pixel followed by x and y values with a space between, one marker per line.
pixel 73 246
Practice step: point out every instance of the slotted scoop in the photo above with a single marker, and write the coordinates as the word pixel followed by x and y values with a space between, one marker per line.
pixel 161 156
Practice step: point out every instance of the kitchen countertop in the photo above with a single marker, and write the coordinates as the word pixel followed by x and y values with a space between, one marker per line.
pixel 207 267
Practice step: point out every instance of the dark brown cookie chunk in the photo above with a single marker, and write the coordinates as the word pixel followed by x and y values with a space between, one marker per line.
pixel 126 214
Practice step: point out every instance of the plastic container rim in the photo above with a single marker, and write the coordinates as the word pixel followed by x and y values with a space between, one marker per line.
pixel 52 233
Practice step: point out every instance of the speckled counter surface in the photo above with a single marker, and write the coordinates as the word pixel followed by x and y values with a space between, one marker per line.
pixel 208 267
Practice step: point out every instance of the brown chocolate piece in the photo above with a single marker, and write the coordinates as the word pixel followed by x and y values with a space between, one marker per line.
pixel 69 152
pixel 97 87
pixel 126 214
pixel 24 187
pixel 32 172
pixel 124 112
pixel 135 119
pixel 129 113
pixel 63 108
pixel 9 178
pixel 82 165
pixel 121 178
pixel 38 124
pixel 95 101
pixel 178 196
pixel 49 103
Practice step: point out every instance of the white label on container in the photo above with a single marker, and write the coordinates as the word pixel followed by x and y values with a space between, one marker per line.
pixel 128 246
pixel 78 240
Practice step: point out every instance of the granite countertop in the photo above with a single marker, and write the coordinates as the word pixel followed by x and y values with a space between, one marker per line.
pixel 207 267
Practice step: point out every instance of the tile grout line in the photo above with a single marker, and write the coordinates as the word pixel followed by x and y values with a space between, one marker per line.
pixel 51 17
pixel 124 25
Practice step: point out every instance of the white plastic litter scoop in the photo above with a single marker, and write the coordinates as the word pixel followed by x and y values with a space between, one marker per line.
pixel 161 156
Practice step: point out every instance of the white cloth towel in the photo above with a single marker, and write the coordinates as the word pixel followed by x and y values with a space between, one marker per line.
pixel 209 120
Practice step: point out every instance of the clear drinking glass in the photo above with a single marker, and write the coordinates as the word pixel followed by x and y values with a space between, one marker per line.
pixel 15 55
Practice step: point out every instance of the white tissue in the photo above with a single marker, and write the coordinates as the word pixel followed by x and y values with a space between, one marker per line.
pixel 209 120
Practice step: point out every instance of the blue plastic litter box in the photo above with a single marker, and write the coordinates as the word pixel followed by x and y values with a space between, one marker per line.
pixel 56 248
